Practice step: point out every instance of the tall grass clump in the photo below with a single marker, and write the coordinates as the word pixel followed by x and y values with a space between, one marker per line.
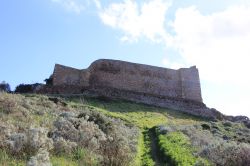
pixel 7 160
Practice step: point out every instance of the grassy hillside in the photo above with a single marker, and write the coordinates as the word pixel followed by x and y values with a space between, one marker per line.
pixel 77 130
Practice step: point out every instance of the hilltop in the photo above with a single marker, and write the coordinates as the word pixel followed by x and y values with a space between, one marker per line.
pixel 168 88
pixel 81 130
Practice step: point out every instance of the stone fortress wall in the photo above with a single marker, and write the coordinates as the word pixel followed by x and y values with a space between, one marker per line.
pixel 174 89
pixel 183 83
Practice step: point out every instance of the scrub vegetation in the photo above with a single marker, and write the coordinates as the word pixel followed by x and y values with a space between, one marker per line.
pixel 79 131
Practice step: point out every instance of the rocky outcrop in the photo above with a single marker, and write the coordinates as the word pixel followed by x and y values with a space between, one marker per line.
pixel 240 119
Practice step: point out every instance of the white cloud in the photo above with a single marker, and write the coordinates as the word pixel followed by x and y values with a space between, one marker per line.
pixel 136 21
pixel 172 65
pixel 71 5
pixel 219 45
pixel 97 4
pixel 77 6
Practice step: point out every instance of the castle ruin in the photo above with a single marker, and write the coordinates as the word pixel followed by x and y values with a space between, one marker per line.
pixel 183 83
pixel 175 89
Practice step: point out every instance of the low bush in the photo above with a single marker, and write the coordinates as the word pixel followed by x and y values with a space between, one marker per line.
pixel 92 132
pixel 5 87
pixel 84 157
pixel 3 156
pixel 27 88
pixel 8 160
pixel 9 103
pixel 224 153
pixel 49 81
pixel 177 148
pixel 216 147
pixel 24 88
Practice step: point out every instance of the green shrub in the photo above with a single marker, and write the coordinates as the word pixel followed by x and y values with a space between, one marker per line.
pixel 63 161
pixel 5 87
pixel 3 156
pixel 177 149
pixel 79 154
pixel 85 157
pixel 146 157
pixel 8 103
pixel 6 160
pixel 227 153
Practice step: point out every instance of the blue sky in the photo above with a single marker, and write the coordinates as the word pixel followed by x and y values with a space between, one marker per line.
pixel 212 34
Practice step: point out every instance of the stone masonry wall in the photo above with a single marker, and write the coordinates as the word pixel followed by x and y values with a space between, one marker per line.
pixel 135 77
pixel 190 83
pixel 183 83
pixel 64 75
